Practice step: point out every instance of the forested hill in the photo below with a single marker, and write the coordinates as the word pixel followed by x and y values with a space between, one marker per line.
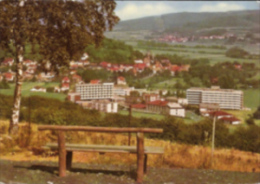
pixel 200 20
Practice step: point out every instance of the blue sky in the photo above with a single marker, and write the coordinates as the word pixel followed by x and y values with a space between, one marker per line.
pixel 136 9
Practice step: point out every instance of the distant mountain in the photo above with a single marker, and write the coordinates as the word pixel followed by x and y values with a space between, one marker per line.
pixel 192 21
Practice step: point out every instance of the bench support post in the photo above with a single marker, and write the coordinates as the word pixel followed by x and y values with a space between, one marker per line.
pixel 69 159
pixel 62 154
pixel 140 157
pixel 145 163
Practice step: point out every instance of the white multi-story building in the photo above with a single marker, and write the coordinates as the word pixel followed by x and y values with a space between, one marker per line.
pixel 226 98
pixel 95 91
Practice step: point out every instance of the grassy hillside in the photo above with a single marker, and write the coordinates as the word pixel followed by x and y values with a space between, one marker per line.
pixel 175 155
pixel 27 86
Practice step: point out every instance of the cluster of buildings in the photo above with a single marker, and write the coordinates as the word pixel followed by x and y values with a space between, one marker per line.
pixel 211 100
pixel 172 38
pixel 106 97
pixel 147 63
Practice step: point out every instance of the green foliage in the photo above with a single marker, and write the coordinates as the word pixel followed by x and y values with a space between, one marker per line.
pixel 88 75
pixel 54 112
pixel 113 51
pixel 236 52
pixel 247 139
pixel 4 84
pixel 50 89
pixel 256 114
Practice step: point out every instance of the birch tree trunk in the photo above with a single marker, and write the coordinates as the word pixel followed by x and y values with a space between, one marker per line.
pixel 17 92
pixel 13 128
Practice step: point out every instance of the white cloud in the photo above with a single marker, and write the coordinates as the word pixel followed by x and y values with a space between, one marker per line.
pixel 132 11
pixel 221 7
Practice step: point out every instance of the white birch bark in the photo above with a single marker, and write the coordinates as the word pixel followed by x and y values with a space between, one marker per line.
pixel 13 129
pixel 17 92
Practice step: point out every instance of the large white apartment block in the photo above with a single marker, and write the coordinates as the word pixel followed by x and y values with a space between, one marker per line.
pixel 95 91
pixel 226 98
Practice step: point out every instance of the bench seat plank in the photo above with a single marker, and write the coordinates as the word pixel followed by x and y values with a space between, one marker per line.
pixel 105 148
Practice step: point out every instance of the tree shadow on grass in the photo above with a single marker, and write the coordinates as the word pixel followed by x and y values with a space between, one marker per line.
pixel 130 172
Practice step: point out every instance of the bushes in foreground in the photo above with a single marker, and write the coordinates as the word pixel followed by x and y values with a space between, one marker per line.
pixel 41 110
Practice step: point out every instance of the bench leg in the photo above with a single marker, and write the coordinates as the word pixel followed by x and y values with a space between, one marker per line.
pixel 145 163
pixel 69 159
pixel 62 154
pixel 140 157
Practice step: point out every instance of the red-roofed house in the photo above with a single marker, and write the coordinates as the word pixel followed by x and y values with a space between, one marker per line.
pixel 121 80
pixel 65 86
pixel 105 64
pixel 157 67
pixel 138 106
pixel 28 62
pixel 8 62
pixel 140 67
pixel 9 76
pixel 65 80
pixel 220 114
pixel 174 69
pixel 94 81
pixel 76 78
pixel 231 120
pixel 238 66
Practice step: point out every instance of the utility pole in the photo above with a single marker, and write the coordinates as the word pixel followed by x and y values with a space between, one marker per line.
pixel 213 138
pixel 129 124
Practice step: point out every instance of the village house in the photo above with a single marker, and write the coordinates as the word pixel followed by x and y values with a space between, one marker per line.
pixel 76 78
pixel 9 76
pixel 100 105
pixel 74 97
pixel 95 81
pixel 157 67
pixel 49 76
pixel 121 80
pixel 219 114
pixel 8 62
pixel 164 107
pixel 105 64
pixel 205 108
pixel 147 97
pixel 38 89
pixel 29 63
pixel 65 80
pixel 231 120
pixel 138 61
pixel 223 116
pixel 57 89
pixel 65 87
pixel 127 67
pixel 85 56
pixel 140 67
pixel 174 69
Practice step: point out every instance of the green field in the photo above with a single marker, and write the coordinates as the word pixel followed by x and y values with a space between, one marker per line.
pixel 143 115
pixel 252 98
pixel 27 86
pixel 213 54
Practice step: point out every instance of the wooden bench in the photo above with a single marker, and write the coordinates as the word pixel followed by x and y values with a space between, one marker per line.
pixel 66 149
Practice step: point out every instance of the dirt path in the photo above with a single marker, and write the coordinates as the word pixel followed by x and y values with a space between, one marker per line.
pixel 35 172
